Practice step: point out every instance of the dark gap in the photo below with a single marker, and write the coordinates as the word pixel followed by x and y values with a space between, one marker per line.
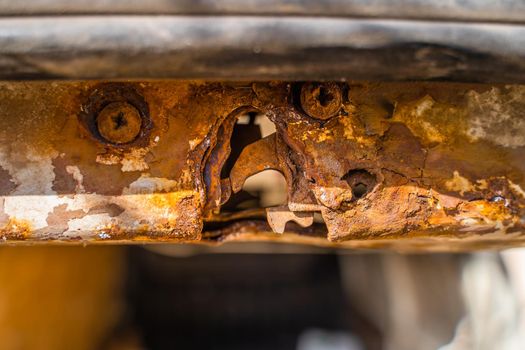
pixel 247 130
pixel 359 190
pixel 360 181
pixel 119 120
pixel 325 96
pixel 243 134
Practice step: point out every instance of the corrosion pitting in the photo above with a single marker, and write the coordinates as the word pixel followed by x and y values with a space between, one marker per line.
pixel 365 164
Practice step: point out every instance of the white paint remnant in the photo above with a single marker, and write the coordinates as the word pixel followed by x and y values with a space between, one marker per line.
pixel 193 143
pixel 424 105
pixel 147 184
pixel 108 159
pixel 516 188
pixel 31 170
pixel 77 176
pixel 138 209
pixel 459 184
pixel 134 160
pixel 423 118
pixel 88 223
pixel 35 175
pixel 469 222
pixel 33 209
pixel 498 116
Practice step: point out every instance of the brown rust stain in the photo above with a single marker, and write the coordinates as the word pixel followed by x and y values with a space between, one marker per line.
pixel 435 173
pixel 7 185
pixel 16 230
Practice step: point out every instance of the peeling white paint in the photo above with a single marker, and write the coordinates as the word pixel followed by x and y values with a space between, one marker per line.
pixel 498 117
pixel 134 160
pixel 33 200
pixel 36 175
pixel 138 209
pixel 147 184
pixel 459 184
pixel 107 159
pixel 77 176
pixel 87 223
pixel 32 209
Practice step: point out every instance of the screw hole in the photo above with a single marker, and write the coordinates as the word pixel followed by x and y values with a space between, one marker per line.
pixel 360 181
pixel 359 190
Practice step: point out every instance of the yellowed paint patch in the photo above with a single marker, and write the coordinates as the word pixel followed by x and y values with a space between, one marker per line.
pixel 77 176
pixel 496 116
pixel 459 184
pixel 516 188
pixel 353 130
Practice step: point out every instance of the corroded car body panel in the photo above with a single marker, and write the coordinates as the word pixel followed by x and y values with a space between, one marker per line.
pixel 413 164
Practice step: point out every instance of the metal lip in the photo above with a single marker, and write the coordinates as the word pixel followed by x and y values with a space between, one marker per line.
pixel 259 48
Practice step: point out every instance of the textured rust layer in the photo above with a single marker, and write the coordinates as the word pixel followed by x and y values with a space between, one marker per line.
pixel 365 164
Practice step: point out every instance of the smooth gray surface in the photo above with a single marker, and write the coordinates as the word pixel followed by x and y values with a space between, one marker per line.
pixel 467 10
pixel 233 47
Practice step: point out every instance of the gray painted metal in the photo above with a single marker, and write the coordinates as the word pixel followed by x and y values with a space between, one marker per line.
pixel 256 47
pixel 463 10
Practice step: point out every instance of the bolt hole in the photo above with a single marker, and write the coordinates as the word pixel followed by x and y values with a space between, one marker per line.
pixel 388 108
pixel 359 190
pixel 325 96
pixel 360 181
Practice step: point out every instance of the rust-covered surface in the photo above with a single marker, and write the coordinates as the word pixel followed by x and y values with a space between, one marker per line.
pixel 419 165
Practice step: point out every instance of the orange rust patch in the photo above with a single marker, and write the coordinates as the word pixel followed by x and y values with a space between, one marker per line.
pixel 15 229
pixel 432 180
pixel 488 210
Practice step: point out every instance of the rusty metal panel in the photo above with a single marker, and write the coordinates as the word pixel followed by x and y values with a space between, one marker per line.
pixel 421 165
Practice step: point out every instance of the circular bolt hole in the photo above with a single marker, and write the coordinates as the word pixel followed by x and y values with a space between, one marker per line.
pixel 119 122
pixel 361 182
pixel 359 190
pixel 321 100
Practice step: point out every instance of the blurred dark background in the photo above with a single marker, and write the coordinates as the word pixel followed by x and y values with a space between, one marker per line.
pixel 251 296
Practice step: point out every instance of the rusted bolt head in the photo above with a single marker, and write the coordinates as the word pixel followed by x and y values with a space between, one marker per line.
pixel 321 100
pixel 119 122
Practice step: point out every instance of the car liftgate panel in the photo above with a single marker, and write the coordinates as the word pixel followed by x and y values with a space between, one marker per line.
pixel 403 165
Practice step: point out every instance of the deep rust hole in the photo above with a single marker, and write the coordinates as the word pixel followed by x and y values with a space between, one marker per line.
pixel 360 181
pixel 249 128
pixel 359 190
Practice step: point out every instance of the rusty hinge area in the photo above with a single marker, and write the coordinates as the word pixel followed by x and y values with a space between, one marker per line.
pixel 364 164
